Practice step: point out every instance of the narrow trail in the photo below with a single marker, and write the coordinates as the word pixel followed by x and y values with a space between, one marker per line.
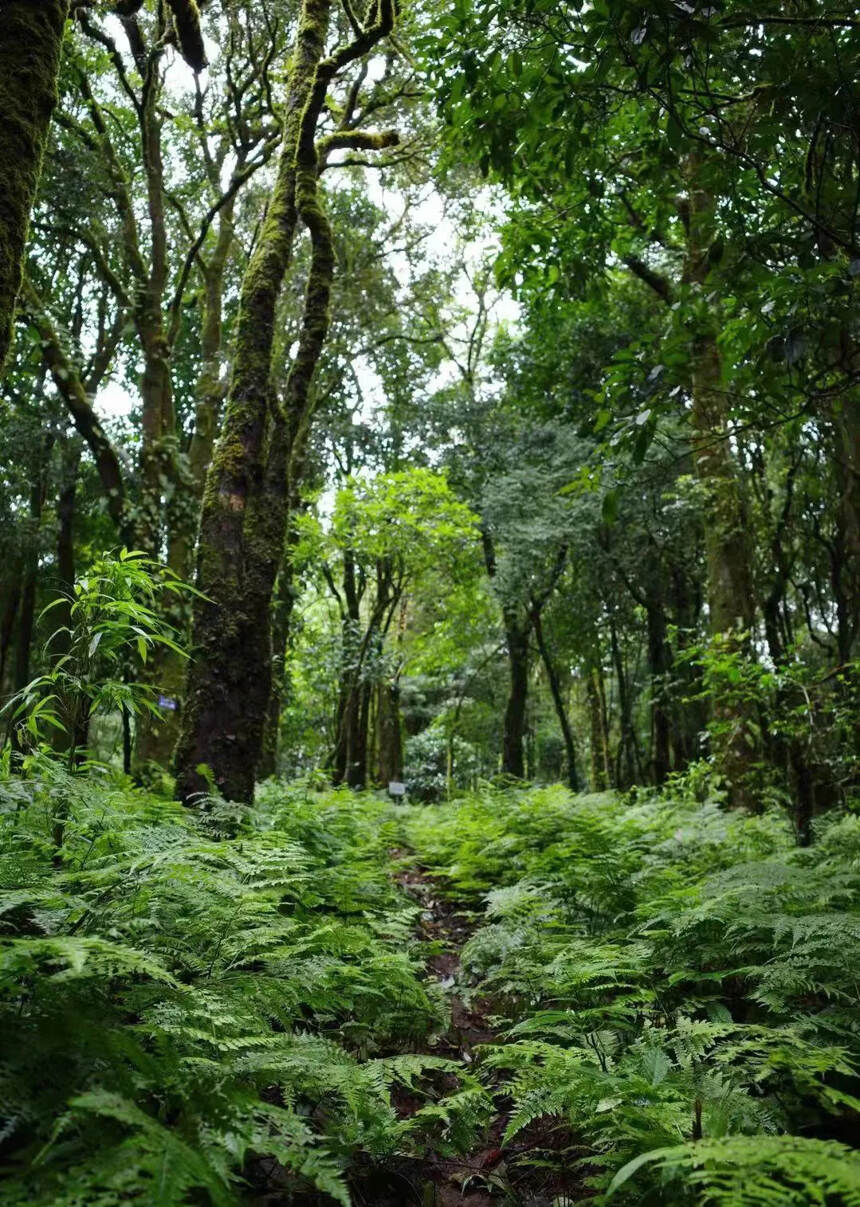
pixel 454 1180
pixel 482 1177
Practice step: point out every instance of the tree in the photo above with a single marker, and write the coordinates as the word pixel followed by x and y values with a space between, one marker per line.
pixel 31 36
pixel 244 511
pixel 700 150
pixel 390 537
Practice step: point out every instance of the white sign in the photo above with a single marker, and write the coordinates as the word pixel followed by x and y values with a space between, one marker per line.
pixel 395 788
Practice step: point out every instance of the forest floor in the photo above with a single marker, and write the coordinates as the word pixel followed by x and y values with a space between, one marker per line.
pixel 483 1177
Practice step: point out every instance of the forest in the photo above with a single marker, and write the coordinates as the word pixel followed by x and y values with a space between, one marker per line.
pixel 429 603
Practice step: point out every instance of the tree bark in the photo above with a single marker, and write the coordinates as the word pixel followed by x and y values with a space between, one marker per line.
pixel 76 741
pixel 31 36
pixel 729 576
pixel 356 770
pixel 689 714
pixel 244 507
pixel 244 514
pixel 727 553
pixel 599 737
pixel 659 666
pixel 285 599
pixel 558 701
pixel 389 733
pixel 513 734
pixel 627 754
pixel 29 582
pixel 161 461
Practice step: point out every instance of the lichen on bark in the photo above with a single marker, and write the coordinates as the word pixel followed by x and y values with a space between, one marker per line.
pixel 31 35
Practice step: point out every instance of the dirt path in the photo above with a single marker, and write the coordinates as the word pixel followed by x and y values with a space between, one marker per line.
pixel 462 1180
pixel 483 1177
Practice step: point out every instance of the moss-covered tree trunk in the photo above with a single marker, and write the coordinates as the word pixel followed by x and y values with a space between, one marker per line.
pixel 244 512
pixel 31 36
pixel 729 586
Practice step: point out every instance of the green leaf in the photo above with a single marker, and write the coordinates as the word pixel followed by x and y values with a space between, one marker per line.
pixel 610 507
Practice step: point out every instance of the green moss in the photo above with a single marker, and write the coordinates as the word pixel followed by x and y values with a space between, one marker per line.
pixel 31 34
pixel 186 18
pixel 244 513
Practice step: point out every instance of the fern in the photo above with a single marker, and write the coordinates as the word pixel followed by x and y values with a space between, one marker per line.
pixel 182 999
pixel 761 1171
pixel 676 979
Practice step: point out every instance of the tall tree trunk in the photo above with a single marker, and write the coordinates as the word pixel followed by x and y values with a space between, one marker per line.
pixel 31 36
pixel 729 579
pixel 348 726
pixel 161 462
pixel 627 754
pixel 66 519
pixel 517 633
pixel 689 715
pixel 11 599
pixel 347 719
pixel 659 666
pixel 727 553
pixel 356 770
pixel 729 576
pixel 599 738
pixel 389 720
pixel 244 514
pixel 286 595
pixel 243 518
pixel 389 733
pixel 77 741
pixel 285 599
pixel 30 576
pixel 157 738
pixel 848 429
pixel 513 735
pixel 558 701
pixel 26 618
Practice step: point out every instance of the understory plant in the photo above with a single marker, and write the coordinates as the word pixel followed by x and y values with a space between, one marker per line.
pixel 676 990
pixel 196 1006
pixel 108 624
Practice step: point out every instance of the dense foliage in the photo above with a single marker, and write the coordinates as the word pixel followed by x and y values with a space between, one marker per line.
pixel 676 985
pixel 226 1002
pixel 206 1003
pixel 429 602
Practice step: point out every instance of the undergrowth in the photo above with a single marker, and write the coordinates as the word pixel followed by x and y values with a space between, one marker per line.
pixel 226 1005
pixel 676 986
pixel 198 1006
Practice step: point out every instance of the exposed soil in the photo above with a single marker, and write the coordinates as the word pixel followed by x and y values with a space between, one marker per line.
pixel 528 1173
pixel 491 1175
